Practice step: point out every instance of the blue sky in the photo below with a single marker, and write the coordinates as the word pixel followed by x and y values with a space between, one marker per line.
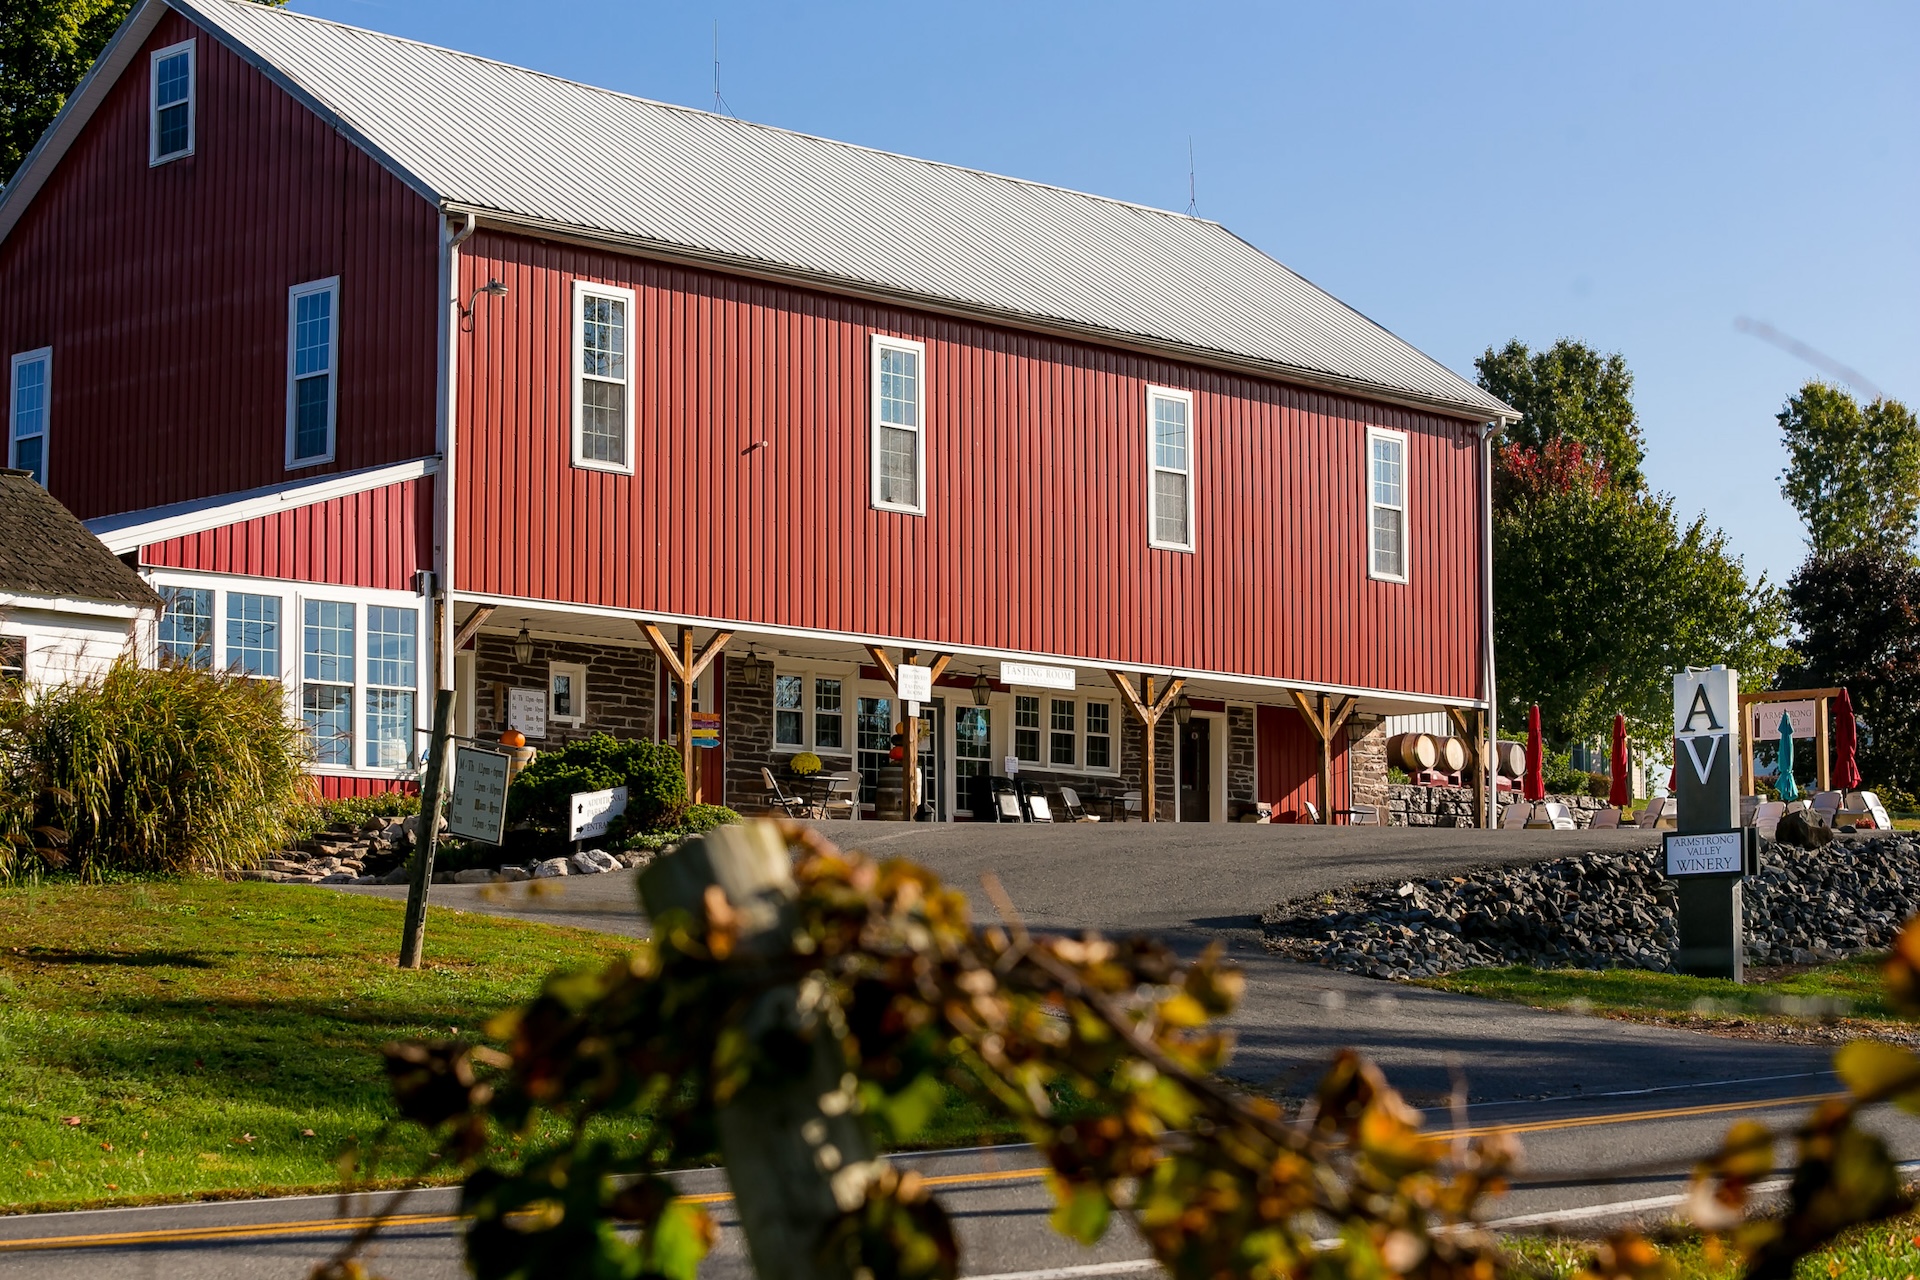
pixel 1635 175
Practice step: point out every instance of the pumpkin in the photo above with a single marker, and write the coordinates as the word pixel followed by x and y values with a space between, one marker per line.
pixel 513 738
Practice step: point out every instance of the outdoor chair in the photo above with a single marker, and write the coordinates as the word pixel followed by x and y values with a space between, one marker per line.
pixel 1659 815
pixel 1006 806
pixel 1871 805
pixel 1827 805
pixel 1516 815
pixel 1038 810
pixel 1605 820
pixel 843 797
pixel 1551 815
pixel 776 798
pixel 1130 805
pixel 1070 806
pixel 1766 817
pixel 1363 815
pixel 1309 813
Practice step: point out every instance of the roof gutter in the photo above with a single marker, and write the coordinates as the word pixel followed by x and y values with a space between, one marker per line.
pixel 565 233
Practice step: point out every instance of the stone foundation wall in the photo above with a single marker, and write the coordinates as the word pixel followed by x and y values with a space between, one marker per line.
pixel 620 697
pixel 1367 760
pixel 1414 806
pixel 1242 753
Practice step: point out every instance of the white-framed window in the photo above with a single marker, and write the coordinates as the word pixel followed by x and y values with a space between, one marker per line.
pixel 1072 735
pixel 1063 741
pixel 1099 741
pixel 602 377
pixel 347 658
pixel 253 634
pixel 810 711
pixel 313 383
pixel 1170 455
pixel 1026 728
pixel 899 420
pixel 171 103
pixel 566 693
pixel 186 627
pixel 1387 504
pixel 29 406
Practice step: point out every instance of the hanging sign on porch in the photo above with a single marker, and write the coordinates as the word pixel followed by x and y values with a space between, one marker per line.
pixel 706 729
pixel 916 683
pixel 1035 676
pixel 527 711
pixel 478 809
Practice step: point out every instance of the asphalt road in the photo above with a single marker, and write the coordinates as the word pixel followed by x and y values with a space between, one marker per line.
pixel 1588 1097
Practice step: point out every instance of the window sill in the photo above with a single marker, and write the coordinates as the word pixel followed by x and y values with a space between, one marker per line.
pixel 154 162
pixel 1399 580
pixel 899 510
pixel 301 464
pixel 608 468
pixel 1185 548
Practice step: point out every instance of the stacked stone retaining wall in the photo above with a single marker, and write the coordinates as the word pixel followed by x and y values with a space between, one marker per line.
pixel 1415 806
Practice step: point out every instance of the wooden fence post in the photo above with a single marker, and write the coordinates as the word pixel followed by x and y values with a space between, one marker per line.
pixel 427 839
pixel 796 1152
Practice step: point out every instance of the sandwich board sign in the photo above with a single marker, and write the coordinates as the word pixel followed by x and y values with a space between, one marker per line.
pixel 592 812
pixel 478 807
pixel 1713 852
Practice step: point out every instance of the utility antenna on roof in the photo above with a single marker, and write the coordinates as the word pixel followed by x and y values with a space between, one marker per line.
pixel 1193 199
pixel 719 103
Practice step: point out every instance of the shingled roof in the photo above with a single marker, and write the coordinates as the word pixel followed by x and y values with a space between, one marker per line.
pixel 46 551
pixel 485 138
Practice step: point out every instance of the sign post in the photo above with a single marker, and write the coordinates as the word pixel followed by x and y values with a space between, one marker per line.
pixel 1707 855
pixel 427 838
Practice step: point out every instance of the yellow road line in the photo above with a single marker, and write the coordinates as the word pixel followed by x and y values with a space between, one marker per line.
pixel 172 1235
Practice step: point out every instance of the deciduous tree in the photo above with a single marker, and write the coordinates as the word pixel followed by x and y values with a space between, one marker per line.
pixel 1858 614
pixel 1570 391
pixel 1853 470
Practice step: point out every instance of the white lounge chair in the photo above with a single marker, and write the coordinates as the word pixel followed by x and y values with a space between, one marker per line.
pixel 1882 820
pixel 1551 815
pixel 1516 816
pixel 1605 819
pixel 843 797
pixel 1766 817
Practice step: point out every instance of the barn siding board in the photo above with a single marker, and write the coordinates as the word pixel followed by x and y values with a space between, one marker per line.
pixel 375 539
pixel 163 292
pixel 1287 762
pixel 1037 481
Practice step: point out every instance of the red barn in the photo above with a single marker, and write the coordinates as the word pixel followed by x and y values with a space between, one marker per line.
pixel 397 368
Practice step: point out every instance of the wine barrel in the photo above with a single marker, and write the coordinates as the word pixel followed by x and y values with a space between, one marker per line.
pixel 1454 754
pixel 1414 752
pixel 1511 757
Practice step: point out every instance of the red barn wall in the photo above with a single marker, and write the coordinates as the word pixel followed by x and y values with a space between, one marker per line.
pixel 163 293
pixel 1287 762
pixel 373 539
pixel 1036 488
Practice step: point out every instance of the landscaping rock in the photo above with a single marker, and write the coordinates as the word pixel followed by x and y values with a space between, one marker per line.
pixel 512 875
pixel 399 875
pixel 473 875
pixel 1802 832
pixel 589 862
pixel 551 867
pixel 1598 911
pixel 338 877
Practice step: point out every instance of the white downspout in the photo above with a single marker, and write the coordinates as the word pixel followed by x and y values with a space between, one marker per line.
pixel 447 438
pixel 1491 780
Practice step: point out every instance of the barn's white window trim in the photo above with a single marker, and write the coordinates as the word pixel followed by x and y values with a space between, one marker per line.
pixel 172 103
pixel 1169 469
pixel 1064 734
pixel 313 371
pixel 813 709
pixel 29 405
pixel 603 391
pixel 348 659
pixel 566 693
pixel 1386 481
pixel 898 419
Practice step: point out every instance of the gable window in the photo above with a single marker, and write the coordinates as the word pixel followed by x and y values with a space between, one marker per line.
pixel 186 627
pixel 1169 442
pixel 602 377
pixel 170 118
pixel 1387 504
pixel 566 692
pixel 253 634
pixel 899 403
pixel 312 390
pixel 27 422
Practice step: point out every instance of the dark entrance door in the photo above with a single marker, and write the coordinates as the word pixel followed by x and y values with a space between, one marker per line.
pixel 1196 759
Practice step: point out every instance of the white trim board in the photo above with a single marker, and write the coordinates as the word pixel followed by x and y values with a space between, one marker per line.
pixel 135 529
pixel 744 629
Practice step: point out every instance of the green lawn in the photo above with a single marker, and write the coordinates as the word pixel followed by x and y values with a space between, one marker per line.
pixel 169 1040
pixel 1845 994
pixel 1888 1251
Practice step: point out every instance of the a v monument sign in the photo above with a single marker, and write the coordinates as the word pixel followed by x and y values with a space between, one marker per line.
pixel 1706 727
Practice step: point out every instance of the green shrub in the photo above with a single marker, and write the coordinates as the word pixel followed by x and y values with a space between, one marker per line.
pixel 1599 786
pixel 705 817
pixel 1395 774
pixel 316 817
pixel 650 771
pixel 147 772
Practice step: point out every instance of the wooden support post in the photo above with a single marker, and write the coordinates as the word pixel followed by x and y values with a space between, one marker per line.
pixel 1326 718
pixel 1148 709
pixel 427 839
pixel 909 725
pixel 686 667
pixel 471 627
pixel 1474 730
pixel 797 1152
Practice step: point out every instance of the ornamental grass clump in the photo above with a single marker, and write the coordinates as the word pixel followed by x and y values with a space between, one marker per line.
pixel 147 771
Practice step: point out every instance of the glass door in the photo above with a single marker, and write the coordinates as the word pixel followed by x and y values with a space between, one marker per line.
pixel 933 758
pixel 873 738
pixel 972 754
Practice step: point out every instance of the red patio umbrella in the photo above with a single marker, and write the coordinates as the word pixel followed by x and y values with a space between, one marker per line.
pixel 1846 746
pixel 1535 785
pixel 1619 795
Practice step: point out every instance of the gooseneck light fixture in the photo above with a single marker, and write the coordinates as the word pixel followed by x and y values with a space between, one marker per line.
pixel 493 289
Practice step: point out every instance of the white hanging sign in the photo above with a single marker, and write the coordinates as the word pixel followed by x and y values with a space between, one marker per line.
pixel 916 683
pixel 527 711
pixel 1035 676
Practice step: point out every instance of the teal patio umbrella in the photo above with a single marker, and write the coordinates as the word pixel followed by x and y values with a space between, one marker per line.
pixel 1783 768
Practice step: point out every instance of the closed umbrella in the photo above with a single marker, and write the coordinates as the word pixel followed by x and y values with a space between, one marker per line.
pixel 1535 786
pixel 1619 795
pixel 1783 771
pixel 1846 746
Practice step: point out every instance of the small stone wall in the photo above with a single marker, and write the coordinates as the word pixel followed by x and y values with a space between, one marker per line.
pixel 1367 761
pixel 1415 806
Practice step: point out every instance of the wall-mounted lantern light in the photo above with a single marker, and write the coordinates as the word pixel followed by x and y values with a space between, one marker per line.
pixel 1182 709
pixel 523 645
pixel 982 689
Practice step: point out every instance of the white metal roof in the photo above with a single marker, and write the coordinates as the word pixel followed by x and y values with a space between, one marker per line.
pixel 469 132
